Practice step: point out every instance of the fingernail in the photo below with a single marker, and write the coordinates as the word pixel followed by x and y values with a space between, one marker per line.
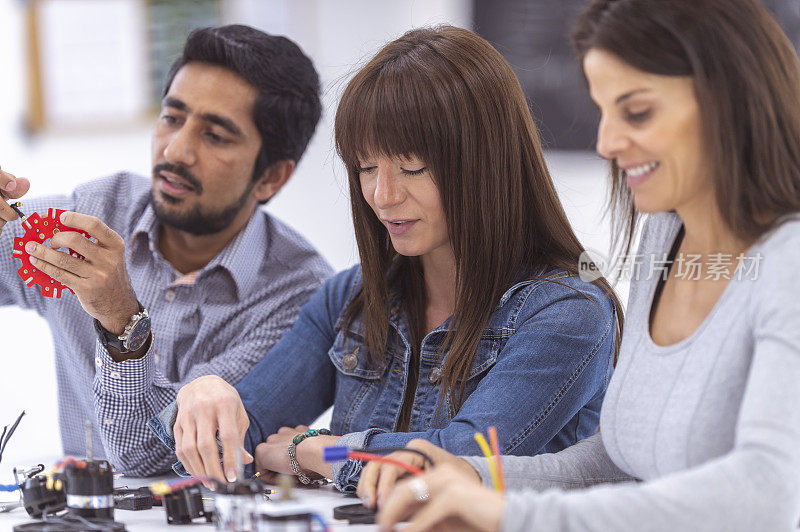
pixel 34 260
pixel 367 502
pixel 11 185
pixel 30 247
pixel 63 217
pixel 230 474
pixel 247 455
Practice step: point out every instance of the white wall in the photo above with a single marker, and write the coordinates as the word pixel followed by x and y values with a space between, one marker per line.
pixel 338 35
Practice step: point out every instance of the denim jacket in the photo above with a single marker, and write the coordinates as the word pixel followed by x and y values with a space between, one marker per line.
pixel 539 375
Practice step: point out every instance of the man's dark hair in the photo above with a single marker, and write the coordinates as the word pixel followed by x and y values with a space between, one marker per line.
pixel 288 105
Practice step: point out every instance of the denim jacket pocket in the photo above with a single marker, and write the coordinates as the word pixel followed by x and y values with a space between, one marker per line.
pixel 355 378
pixel 486 355
pixel 350 356
pixel 488 350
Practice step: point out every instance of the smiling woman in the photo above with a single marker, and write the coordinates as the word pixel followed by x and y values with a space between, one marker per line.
pixel 466 310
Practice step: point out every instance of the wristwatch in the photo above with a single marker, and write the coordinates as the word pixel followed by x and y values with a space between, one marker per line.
pixel 132 338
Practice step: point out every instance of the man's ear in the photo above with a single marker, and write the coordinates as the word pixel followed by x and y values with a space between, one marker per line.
pixel 275 176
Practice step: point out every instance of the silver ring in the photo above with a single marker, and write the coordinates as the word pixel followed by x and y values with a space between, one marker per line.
pixel 420 489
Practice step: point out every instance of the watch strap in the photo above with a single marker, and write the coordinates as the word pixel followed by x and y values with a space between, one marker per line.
pixel 118 342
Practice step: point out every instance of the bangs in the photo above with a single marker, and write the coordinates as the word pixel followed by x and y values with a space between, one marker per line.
pixel 386 112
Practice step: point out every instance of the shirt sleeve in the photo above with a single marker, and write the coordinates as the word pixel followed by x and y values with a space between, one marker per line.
pixel 280 391
pixel 581 465
pixel 553 365
pixel 129 393
pixel 755 486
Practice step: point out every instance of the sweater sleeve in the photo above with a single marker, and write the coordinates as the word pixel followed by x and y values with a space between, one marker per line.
pixel 756 485
pixel 581 465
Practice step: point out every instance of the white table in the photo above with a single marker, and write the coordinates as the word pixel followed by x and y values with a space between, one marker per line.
pixel 321 500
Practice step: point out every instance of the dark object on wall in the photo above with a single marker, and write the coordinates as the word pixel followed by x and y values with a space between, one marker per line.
pixel 533 36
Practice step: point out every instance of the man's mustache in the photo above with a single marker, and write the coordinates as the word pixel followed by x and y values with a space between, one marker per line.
pixel 181 171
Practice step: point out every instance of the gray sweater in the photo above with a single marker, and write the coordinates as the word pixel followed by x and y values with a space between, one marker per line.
pixel 703 434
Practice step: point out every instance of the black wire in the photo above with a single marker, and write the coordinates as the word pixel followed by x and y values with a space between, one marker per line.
pixel 14 205
pixel 387 450
pixel 7 434
pixel 2 438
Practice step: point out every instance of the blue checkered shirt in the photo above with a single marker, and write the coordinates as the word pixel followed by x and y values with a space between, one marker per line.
pixel 219 320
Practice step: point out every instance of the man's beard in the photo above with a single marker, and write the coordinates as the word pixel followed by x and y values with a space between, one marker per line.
pixel 198 221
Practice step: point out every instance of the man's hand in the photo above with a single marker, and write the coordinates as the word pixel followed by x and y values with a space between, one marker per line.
pixel 206 405
pixel 11 187
pixel 101 281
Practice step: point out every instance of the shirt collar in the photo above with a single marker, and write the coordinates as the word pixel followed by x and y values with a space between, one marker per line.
pixel 241 258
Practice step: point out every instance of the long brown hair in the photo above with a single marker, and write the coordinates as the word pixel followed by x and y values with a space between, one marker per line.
pixel 447 96
pixel 747 83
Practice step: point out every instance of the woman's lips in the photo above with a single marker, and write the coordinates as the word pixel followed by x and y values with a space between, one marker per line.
pixel 639 174
pixel 399 228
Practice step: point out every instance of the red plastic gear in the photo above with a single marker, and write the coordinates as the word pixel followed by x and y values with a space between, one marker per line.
pixel 38 229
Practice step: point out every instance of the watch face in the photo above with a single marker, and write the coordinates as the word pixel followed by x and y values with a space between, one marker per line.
pixel 138 335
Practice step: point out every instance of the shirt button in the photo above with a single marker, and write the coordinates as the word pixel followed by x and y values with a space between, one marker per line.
pixel 435 375
pixel 170 296
pixel 350 361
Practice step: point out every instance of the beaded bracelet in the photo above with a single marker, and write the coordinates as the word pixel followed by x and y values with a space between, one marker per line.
pixel 310 433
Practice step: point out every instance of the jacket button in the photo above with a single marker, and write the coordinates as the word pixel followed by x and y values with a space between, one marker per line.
pixel 350 361
pixel 435 375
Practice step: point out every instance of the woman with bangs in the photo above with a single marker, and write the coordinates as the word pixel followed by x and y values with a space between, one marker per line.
pixel 466 310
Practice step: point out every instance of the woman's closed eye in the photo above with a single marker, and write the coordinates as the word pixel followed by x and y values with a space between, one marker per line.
pixel 637 117
pixel 413 172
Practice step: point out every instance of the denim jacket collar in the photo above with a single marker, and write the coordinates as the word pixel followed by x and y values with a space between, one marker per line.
pixel 502 324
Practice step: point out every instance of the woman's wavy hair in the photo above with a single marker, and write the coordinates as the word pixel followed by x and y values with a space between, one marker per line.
pixel 445 95
pixel 747 83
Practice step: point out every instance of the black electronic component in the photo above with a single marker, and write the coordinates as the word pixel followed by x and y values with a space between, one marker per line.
pixel 38 499
pixel 70 523
pixel 132 500
pixel 185 505
pixel 355 514
pixel 90 489
pixel 251 486
pixel 135 498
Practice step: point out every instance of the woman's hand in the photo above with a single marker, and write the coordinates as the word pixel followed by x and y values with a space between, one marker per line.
pixel 206 405
pixel 272 456
pixel 445 498
pixel 11 187
pixel 378 479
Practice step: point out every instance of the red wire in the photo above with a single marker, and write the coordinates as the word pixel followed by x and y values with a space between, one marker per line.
pixel 495 443
pixel 369 457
